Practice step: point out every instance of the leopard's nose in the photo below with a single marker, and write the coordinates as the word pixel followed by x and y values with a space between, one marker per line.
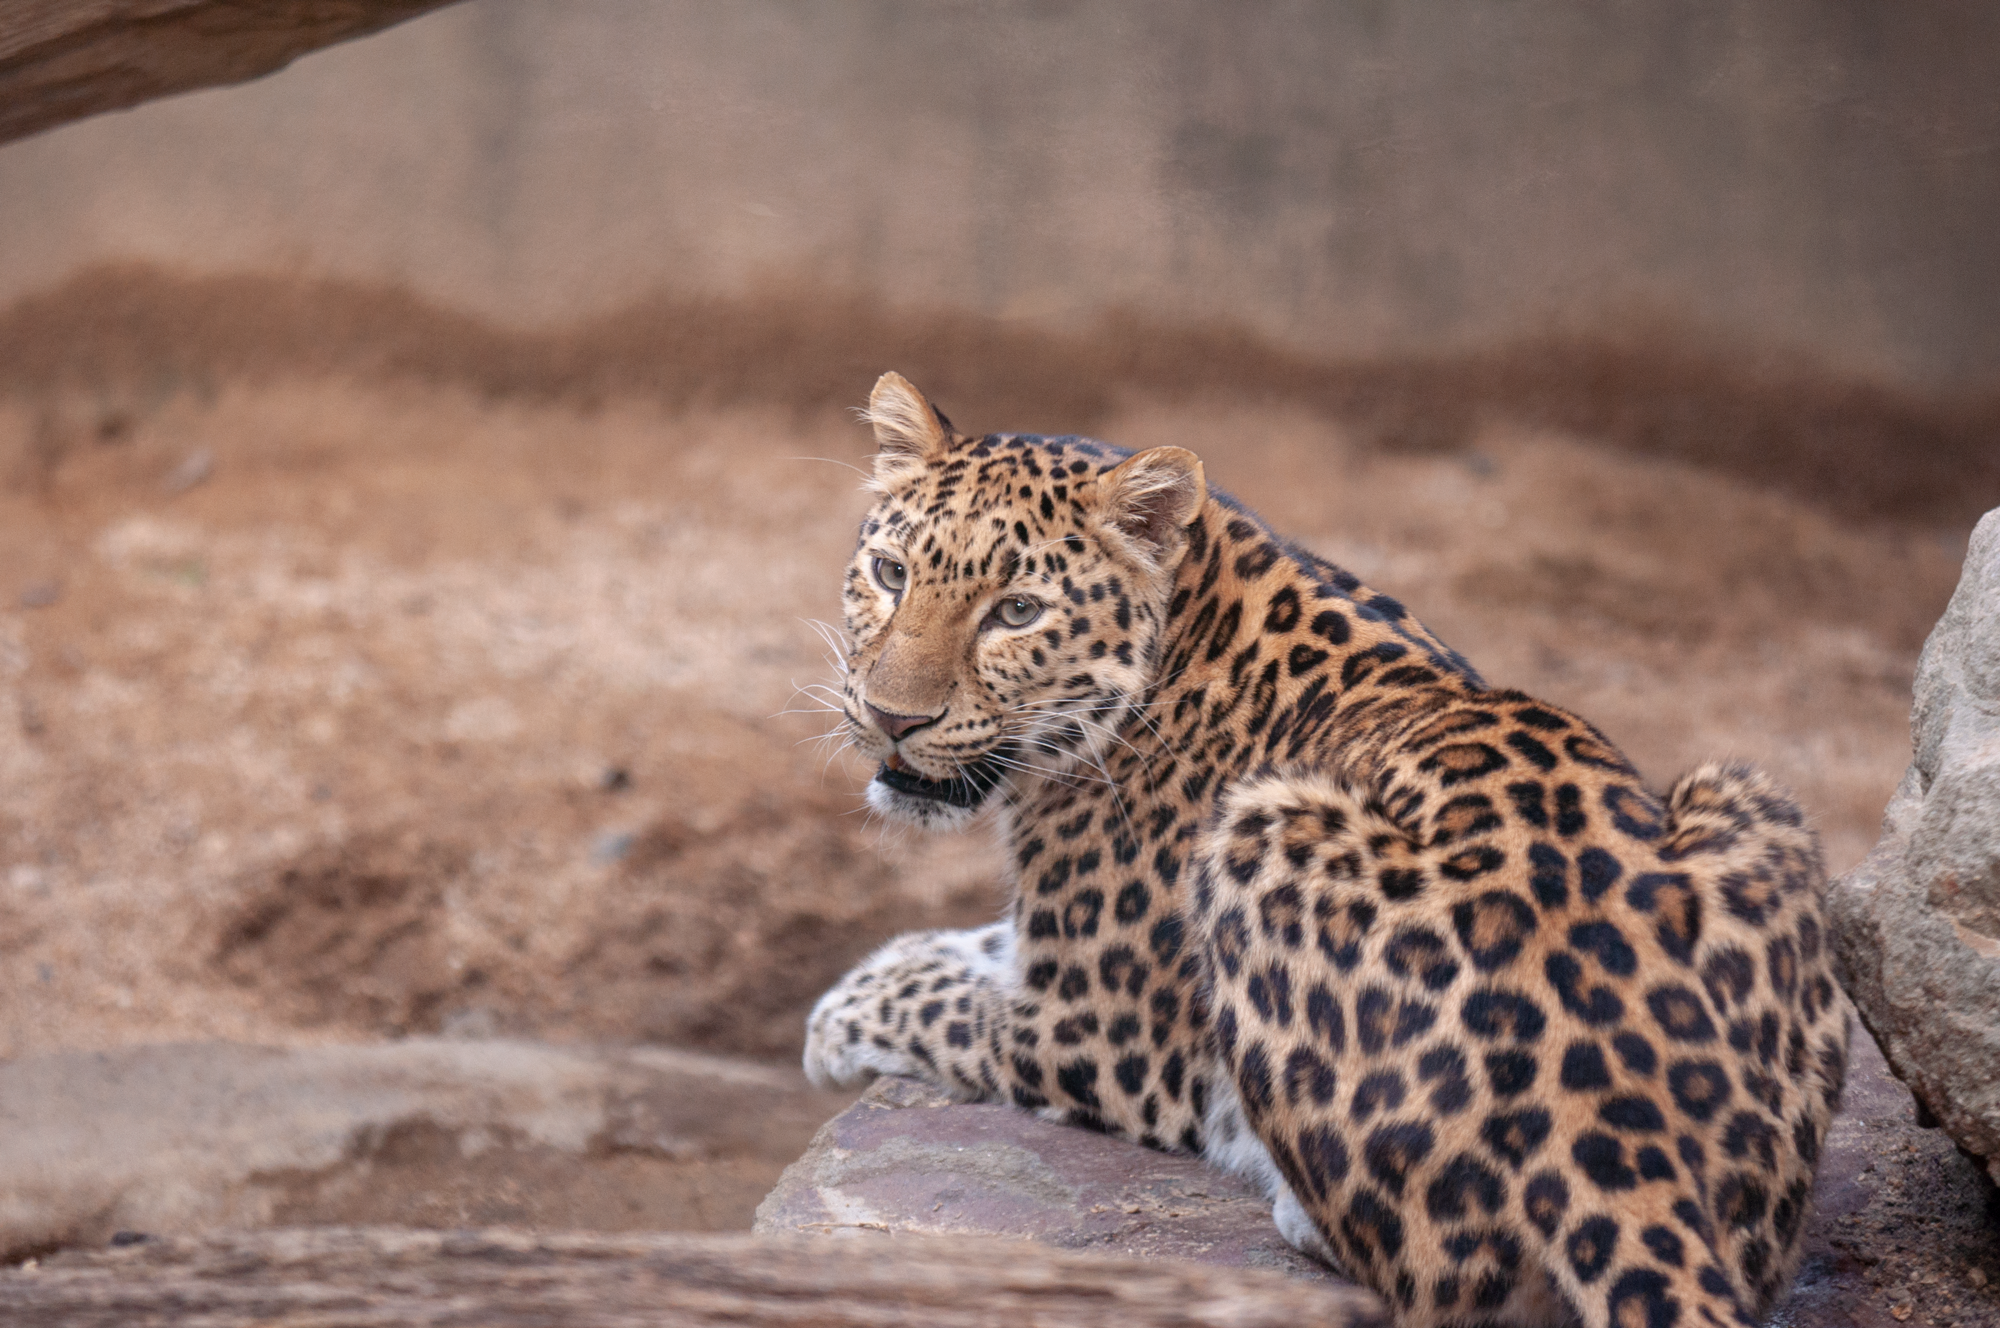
pixel 896 725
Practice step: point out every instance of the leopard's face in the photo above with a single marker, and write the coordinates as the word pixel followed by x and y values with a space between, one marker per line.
pixel 1003 605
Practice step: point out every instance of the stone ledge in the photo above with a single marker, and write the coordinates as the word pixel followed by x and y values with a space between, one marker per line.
pixel 905 1160
pixel 188 1139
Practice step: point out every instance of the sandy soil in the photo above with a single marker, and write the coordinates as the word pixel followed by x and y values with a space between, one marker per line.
pixel 416 714
pixel 337 709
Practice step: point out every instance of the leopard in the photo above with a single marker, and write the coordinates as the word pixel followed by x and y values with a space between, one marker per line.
pixel 1502 1033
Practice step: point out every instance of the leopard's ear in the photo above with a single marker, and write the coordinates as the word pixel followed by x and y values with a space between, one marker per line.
pixel 910 432
pixel 1149 499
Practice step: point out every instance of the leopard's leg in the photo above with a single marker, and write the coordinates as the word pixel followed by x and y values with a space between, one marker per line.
pixel 873 1022
pixel 921 1005
pixel 1084 1005
pixel 1396 1048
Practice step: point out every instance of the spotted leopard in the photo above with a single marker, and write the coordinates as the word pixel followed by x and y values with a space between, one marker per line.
pixel 1506 1036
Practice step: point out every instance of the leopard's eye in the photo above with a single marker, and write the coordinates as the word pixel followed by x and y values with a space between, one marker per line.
pixel 1017 611
pixel 892 574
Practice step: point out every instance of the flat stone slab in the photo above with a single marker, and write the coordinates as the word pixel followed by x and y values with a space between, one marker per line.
pixel 1906 1231
pixel 179 1140
pixel 905 1159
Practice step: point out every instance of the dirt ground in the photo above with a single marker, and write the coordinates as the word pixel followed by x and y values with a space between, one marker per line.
pixel 339 704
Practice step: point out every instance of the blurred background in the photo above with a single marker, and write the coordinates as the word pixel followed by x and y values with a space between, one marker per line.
pixel 420 468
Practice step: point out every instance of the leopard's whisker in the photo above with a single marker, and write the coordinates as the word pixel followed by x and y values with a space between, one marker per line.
pixel 832 461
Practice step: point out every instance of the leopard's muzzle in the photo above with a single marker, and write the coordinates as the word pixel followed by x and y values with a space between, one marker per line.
pixel 975 781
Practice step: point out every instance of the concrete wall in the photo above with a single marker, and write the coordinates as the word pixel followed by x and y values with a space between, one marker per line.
pixel 1360 178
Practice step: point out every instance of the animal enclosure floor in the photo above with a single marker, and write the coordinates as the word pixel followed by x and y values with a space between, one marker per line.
pixel 334 710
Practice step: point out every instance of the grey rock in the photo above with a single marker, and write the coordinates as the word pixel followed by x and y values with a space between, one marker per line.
pixel 186 1139
pixel 1917 924
pixel 192 472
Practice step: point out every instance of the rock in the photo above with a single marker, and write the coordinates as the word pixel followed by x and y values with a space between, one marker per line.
pixel 179 1140
pixel 193 471
pixel 65 59
pixel 1917 924
pixel 905 1162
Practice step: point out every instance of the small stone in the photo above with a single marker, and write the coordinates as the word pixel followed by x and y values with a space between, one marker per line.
pixel 1901 1312
pixel 612 846
pixel 199 465
pixel 40 594
pixel 474 1024
pixel 1977 1277
pixel 120 1239
pixel 615 779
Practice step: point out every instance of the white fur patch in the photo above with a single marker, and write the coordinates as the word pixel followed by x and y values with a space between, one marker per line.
pixel 1232 1146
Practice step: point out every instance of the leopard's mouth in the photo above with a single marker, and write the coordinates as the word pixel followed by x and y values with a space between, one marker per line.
pixel 976 780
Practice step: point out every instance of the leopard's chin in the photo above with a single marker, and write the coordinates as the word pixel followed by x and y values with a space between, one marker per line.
pixel 900 792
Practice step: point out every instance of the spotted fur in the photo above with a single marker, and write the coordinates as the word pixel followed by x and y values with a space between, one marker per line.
pixel 1506 1036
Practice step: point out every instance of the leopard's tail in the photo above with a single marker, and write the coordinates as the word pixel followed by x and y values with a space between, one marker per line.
pixel 1763 950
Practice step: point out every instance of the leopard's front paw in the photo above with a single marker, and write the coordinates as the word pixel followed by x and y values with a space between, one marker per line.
pixel 875 1020
pixel 847 1044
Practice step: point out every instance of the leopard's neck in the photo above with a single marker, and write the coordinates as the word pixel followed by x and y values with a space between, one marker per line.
pixel 1260 626
pixel 1268 656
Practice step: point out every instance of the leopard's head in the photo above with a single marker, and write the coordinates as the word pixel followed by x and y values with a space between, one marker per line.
pixel 1005 604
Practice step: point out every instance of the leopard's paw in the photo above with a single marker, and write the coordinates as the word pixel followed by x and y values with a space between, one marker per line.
pixel 873 1021
pixel 840 1054
pixel 1300 1231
